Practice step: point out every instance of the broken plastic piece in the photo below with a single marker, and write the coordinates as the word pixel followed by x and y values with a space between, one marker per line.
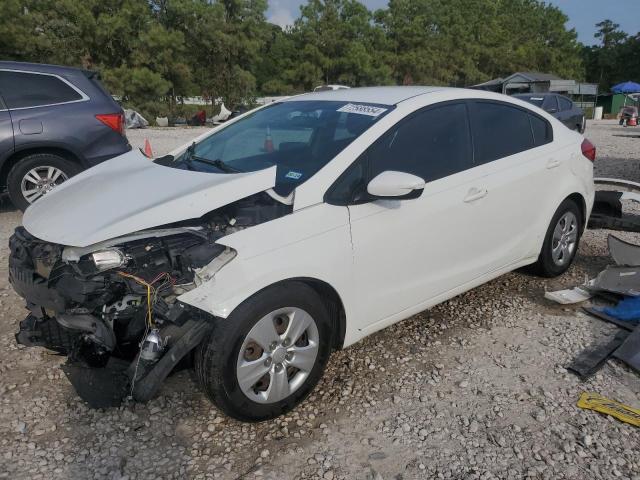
pixel 627 309
pixel 607 211
pixel 568 296
pixel 629 351
pixel 623 253
pixel 621 280
pixel 598 313
pixel 591 359
pixel 598 403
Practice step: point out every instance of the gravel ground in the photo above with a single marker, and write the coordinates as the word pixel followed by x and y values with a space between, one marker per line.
pixel 475 388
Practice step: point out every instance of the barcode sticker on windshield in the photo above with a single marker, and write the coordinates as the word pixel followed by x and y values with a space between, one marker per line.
pixel 369 110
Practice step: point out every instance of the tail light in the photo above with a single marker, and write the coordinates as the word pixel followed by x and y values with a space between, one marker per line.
pixel 589 150
pixel 115 121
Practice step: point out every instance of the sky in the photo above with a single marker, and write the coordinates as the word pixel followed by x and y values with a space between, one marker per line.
pixel 583 14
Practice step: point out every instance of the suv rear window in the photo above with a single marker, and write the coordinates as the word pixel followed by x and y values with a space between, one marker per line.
pixel 22 89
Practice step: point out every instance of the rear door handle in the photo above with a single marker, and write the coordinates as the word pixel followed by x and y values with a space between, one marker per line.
pixel 475 194
pixel 553 163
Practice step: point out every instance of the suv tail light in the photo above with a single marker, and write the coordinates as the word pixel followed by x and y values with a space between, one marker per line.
pixel 589 150
pixel 114 121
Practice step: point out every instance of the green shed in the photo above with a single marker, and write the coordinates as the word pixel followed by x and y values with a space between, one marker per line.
pixel 612 102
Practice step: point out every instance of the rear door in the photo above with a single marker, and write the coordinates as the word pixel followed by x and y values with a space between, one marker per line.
pixel 6 132
pixel 515 147
pixel 30 97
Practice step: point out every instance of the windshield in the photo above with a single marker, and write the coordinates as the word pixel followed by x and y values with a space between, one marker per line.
pixel 299 137
pixel 537 101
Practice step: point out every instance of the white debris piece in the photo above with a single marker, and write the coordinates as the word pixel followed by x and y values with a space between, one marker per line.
pixel 569 296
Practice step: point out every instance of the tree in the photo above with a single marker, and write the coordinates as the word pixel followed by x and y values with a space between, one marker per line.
pixel 335 42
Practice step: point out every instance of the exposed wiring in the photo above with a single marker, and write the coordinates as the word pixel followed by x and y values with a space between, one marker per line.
pixel 152 292
pixel 167 281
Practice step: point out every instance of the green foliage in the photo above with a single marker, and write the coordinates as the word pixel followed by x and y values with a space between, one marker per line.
pixel 152 53
pixel 615 60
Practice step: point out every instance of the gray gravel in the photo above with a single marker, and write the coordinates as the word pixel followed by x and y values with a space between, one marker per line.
pixel 475 388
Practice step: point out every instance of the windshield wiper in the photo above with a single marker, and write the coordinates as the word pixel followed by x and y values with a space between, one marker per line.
pixel 216 163
pixel 190 157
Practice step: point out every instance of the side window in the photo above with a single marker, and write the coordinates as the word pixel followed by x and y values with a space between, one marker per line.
pixel 542 131
pixel 550 104
pixel 499 130
pixel 565 104
pixel 21 89
pixel 431 144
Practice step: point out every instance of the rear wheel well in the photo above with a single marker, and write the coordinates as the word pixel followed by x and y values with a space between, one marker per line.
pixel 582 206
pixel 13 160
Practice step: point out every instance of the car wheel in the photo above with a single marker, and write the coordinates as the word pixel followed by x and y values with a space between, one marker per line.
pixel 561 241
pixel 35 175
pixel 267 356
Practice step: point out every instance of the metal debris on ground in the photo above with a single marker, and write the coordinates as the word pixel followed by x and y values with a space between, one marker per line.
pixel 598 403
pixel 619 285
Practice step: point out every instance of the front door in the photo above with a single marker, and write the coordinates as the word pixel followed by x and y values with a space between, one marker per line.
pixel 407 251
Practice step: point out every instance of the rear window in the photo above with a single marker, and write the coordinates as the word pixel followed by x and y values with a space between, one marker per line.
pixel 565 103
pixel 499 130
pixel 22 89
pixel 542 132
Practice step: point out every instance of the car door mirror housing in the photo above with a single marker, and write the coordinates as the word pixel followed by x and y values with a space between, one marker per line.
pixel 392 184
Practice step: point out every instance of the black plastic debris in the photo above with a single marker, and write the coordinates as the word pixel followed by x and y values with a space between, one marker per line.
pixel 599 313
pixel 590 360
pixel 629 351
pixel 100 387
pixel 607 207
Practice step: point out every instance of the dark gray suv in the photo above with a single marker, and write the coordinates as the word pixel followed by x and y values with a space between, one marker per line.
pixel 54 122
pixel 559 106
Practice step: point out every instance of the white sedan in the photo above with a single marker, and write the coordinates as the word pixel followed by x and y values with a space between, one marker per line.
pixel 294 230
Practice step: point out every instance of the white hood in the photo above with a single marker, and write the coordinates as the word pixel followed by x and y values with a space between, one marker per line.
pixel 131 193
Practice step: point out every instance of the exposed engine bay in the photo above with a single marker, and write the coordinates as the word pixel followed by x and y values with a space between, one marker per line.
pixel 113 308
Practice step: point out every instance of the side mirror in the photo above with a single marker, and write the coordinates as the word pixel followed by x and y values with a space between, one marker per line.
pixel 391 184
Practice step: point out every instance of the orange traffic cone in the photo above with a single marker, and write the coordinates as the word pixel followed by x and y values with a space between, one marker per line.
pixel 268 142
pixel 147 148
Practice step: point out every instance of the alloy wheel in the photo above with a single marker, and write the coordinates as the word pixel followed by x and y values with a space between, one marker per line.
pixel 565 239
pixel 277 355
pixel 40 181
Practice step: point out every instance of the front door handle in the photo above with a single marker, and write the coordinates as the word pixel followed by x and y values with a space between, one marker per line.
pixel 553 163
pixel 475 194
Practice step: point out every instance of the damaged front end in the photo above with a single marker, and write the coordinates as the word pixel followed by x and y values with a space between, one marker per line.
pixel 113 308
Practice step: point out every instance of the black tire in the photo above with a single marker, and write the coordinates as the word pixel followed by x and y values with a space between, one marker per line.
pixel 217 356
pixel 546 266
pixel 26 164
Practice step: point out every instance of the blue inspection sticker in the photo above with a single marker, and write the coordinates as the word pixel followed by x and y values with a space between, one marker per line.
pixel 293 175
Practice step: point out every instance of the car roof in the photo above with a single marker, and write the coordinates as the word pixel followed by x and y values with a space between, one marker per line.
pixel 40 67
pixel 536 94
pixel 376 95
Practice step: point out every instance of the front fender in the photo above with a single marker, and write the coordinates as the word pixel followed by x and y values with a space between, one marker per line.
pixel 312 243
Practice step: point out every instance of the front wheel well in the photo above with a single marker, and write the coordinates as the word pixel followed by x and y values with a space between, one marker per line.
pixel 332 302
pixel 13 160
